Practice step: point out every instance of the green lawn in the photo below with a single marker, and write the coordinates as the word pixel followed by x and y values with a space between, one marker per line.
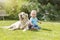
pixel 49 31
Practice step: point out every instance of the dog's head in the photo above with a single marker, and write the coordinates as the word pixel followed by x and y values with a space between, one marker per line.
pixel 23 16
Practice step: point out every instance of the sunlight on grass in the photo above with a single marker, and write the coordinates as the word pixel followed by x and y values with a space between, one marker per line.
pixel 49 31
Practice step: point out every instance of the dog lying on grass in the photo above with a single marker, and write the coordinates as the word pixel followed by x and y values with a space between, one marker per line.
pixel 21 24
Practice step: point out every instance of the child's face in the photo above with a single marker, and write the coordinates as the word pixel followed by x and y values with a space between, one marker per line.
pixel 33 14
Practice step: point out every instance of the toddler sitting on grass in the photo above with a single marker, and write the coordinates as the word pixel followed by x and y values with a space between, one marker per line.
pixel 34 20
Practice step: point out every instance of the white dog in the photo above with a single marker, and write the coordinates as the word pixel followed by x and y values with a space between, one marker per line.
pixel 22 23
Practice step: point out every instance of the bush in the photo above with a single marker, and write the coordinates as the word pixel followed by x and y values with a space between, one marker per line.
pixel 13 7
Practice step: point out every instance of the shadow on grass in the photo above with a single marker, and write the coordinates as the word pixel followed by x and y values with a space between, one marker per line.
pixel 42 29
pixel 46 29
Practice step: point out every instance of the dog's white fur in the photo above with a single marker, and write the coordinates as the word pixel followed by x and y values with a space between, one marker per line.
pixel 22 23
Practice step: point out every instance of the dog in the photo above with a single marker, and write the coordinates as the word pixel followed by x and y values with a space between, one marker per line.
pixel 22 23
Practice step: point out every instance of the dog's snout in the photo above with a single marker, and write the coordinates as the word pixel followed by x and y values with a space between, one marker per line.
pixel 21 17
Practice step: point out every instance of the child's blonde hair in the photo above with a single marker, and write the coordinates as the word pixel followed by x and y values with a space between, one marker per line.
pixel 33 12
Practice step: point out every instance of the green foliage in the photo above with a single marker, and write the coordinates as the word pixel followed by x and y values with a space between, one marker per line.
pixel 50 8
pixel 13 7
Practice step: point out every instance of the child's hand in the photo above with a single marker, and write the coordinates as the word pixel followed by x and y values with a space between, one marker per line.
pixel 40 22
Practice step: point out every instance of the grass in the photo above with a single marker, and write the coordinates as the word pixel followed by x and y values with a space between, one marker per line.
pixel 49 31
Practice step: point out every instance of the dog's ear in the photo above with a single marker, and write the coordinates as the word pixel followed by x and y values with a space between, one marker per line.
pixel 27 15
pixel 19 16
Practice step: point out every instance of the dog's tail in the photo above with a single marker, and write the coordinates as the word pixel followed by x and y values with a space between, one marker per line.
pixel 5 27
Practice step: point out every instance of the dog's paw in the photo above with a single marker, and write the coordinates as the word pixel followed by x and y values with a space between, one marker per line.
pixel 24 30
